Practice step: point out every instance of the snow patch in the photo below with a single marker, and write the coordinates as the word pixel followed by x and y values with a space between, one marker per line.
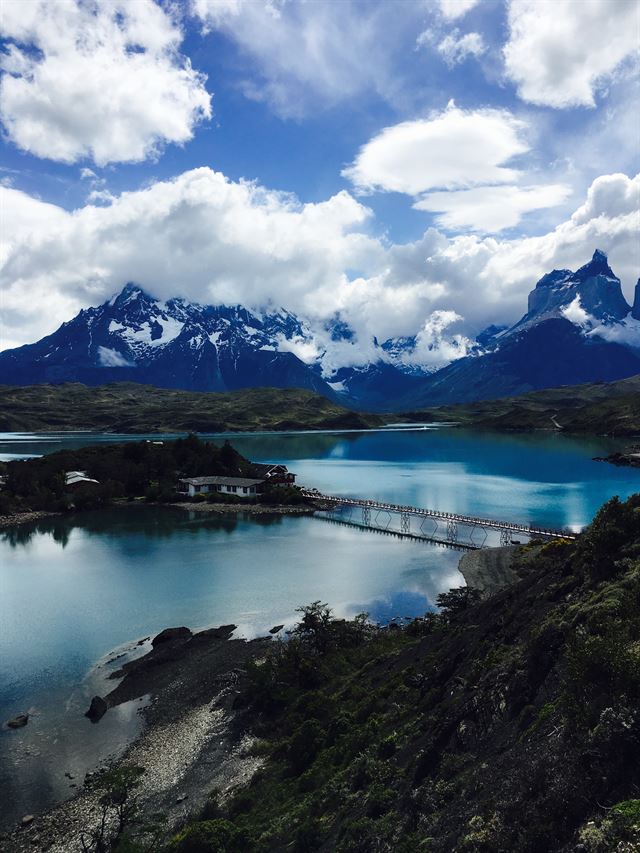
pixel 171 328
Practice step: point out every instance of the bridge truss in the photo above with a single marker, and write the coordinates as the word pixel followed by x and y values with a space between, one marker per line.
pixel 445 528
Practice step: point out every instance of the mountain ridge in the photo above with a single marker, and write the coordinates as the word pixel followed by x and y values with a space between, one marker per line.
pixel 578 328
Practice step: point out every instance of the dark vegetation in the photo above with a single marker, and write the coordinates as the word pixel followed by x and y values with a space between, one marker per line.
pixel 506 724
pixel 128 407
pixel 602 408
pixel 140 469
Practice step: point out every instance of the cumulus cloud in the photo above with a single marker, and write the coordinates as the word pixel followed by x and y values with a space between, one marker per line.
pixel 66 91
pixel 452 9
pixel 490 209
pixel 207 238
pixel 452 149
pixel 609 195
pixel 559 53
pixel 455 48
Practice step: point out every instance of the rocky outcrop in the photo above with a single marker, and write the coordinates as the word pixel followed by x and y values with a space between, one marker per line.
pixel 171 634
pixel 97 709
pixel 488 569
pixel 18 722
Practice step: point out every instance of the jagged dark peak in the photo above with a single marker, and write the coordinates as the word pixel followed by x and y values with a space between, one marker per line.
pixel 129 293
pixel 555 277
pixel 635 311
pixel 598 265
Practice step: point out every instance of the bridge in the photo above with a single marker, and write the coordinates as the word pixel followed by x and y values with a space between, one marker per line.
pixel 445 528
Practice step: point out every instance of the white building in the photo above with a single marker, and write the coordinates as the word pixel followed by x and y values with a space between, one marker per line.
pixel 242 487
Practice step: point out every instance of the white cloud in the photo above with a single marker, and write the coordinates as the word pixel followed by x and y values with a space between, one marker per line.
pixel 575 313
pixel 453 149
pixel 559 53
pixel 103 80
pixel 434 346
pixel 455 48
pixel 452 9
pixel 303 56
pixel 207 238
pixel 110 358
pixel 609 195
pixel 490 209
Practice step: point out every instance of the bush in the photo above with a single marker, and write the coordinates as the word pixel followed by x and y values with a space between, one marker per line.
pixel 209 836
pixel 304 745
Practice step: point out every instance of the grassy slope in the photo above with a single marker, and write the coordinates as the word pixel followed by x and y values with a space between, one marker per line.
pixel 611 408
pixel 510 724
pixel 128 407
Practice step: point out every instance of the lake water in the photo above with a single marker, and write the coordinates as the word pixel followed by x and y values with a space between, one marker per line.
pixel 76 592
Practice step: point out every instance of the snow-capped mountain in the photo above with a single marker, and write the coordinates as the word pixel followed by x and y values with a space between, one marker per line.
pixel 578 328
pixel 592 291
pixel 172 344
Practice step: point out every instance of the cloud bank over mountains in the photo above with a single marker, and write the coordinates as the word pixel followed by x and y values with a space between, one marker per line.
pixel 213 240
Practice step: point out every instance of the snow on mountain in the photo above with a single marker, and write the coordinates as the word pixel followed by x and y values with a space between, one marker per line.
pixel 578 327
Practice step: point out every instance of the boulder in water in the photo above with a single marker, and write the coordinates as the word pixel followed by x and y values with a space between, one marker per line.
pixel 97 709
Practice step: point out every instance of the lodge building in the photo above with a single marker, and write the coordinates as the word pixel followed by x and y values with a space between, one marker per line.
pixel 242 487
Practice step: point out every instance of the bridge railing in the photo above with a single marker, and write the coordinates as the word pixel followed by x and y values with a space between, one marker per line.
pixel 490 523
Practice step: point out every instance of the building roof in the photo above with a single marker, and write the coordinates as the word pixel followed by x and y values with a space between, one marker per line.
pixel 74 477
pixel 265 469
pixel 221 481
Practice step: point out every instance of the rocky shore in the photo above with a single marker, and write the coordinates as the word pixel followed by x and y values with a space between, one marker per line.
pixel 489 569
pixel 251 509
pixel 23 518
pixel 629 457
pixel 195 738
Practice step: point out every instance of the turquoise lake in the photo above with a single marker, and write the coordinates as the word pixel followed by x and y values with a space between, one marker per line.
pixel 75 592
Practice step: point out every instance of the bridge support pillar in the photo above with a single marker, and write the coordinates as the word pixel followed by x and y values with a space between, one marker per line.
pixel 505 537
pixel 405 522
pixel 452 530
pixel 366 515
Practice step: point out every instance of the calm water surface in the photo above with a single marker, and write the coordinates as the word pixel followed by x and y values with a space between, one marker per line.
pixel 76 592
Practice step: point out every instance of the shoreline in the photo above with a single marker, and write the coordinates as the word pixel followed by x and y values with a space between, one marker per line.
pixel 251 509
pixel 19 518
pixel 193 738
pixel 7 521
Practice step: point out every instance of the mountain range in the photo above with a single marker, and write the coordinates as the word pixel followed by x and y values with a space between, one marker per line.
pixel 578 328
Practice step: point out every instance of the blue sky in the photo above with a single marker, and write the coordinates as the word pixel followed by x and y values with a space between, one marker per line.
pixel 415 165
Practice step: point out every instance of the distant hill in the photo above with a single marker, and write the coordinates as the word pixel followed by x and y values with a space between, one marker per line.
pixel 603 408
pixel 128 407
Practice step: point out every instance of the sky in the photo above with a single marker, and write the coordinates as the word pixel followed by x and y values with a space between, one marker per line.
pixel 410 167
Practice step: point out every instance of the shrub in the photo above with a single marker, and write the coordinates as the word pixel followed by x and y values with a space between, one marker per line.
pixel 209 836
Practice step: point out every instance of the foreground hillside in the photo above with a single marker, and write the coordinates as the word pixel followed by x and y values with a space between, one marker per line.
pixel 603 408
pixel 510 724
pixel 129 407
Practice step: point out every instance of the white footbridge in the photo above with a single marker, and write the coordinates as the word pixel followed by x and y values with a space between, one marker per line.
pixel 444 528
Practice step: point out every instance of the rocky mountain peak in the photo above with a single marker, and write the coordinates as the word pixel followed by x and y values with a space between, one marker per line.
pixel 598 265
pixel 593 288
pixel 635 311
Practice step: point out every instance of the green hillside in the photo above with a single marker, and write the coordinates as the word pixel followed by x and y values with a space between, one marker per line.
pixel 611 408
pixel 128 407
